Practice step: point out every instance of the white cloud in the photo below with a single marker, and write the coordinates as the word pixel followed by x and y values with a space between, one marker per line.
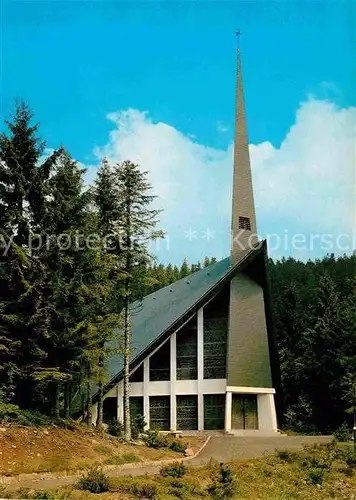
pixel 221 127
pixel 311 176
pixel 308 183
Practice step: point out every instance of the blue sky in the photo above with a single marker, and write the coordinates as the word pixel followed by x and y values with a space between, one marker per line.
pixel 75 62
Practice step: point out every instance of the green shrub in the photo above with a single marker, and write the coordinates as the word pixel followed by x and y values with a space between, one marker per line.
pixel 350 458
pixel 316 475
pixel 146 490
pixel 95 481
pixel 224 486
pixel 286 455
pixel 12 413
pixel 177 469
pixel 177 446
pixel 24 492
pixel 343 433
pixel 115 428
pixel 318 456
pixel 348 471
pixel 44 495
pixel 138 426
pixel 156 440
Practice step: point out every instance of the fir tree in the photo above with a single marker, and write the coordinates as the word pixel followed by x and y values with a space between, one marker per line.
pixel 22 182
pixel 107 203
pixel 206 262
pixel 64 256
pixel 138 221
pixel 184 270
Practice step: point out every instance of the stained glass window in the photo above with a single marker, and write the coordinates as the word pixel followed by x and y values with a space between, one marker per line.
pixel 187 355
pixel 160 412
pixel 214 411
pixel 187 412
pixel 160 364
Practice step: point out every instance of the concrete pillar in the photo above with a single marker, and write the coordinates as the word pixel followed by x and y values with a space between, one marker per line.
pixel 173 377
pixel 228 407
pixel 267 419
pixel 146 399
pixel 200 344
pixel 200 412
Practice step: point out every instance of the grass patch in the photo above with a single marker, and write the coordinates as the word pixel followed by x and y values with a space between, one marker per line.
pixel 122 459
pixel 305 474
pixel 103 450
pixel 138 487
pixel 286 455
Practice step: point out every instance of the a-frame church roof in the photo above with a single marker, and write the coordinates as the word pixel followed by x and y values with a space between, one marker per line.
pixel 159 314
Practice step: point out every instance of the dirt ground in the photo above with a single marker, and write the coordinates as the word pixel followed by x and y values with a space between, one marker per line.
pixel 30 449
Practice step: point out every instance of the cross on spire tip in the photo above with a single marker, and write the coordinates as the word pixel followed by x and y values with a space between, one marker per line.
pixel 238 33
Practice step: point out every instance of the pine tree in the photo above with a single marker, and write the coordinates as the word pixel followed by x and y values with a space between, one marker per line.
pixel 206 262
pixel 107 203
pixel 161 276
pixel 170 277
pixel 184 270
pixel 22 182
pixel 65 218
pixel 138 221
pixel 176 273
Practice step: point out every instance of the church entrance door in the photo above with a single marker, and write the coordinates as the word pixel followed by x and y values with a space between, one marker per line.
pixel 244 411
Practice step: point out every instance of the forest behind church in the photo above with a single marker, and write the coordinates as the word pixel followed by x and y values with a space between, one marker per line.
pixel 58 306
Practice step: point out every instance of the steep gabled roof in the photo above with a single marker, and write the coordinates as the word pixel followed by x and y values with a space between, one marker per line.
pixel 160 313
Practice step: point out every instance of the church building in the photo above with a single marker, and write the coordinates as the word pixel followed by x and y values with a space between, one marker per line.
pixel 203 353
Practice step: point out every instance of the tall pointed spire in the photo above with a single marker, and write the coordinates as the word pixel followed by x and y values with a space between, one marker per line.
pixel 243 223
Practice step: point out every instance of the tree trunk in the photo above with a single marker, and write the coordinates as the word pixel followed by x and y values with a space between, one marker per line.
pixel 67 400
pixel 99 419
pixel 89 398
pixel 56 405
pixel 127 417
pixel 83 402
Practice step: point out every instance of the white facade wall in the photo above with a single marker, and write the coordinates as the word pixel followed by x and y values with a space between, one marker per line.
pixel 265 399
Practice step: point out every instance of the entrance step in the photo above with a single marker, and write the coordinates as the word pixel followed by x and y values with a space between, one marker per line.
pixel 253 433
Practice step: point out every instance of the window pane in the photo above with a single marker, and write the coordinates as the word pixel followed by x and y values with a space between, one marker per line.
pixel 160 363
pixel 214 411
pixel 160 412
pixel 187 351
pixel 187 412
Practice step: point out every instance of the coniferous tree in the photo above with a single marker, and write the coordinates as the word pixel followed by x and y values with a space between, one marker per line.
pixel 138 222
pixel 206 262
pixel 22 181
pixel 107 203
pixel 63 256
pixel 176 273
pixel 170 277
pixel 184 270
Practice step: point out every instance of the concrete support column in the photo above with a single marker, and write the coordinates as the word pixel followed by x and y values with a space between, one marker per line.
pixel 146 399
pixel 200 344
pixel 267 419
pixel 173 376
pixel 228 407
pixel 200 412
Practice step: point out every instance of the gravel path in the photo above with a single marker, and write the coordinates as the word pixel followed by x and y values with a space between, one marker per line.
pixel 222 448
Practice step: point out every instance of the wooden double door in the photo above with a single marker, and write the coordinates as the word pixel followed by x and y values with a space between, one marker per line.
pixel 244 411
